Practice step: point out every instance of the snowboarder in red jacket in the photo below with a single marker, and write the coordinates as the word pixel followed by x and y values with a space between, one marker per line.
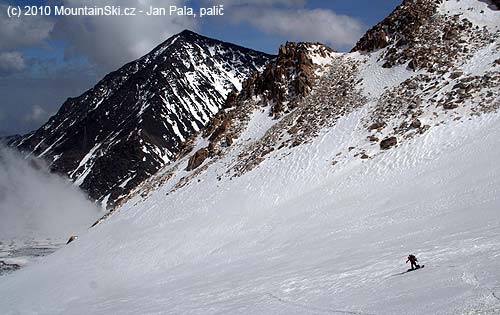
pixel 413 260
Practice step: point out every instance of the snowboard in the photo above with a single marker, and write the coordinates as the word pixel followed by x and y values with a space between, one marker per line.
pixel 409 270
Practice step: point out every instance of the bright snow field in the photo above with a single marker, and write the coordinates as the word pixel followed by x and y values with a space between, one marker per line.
pixel 296 236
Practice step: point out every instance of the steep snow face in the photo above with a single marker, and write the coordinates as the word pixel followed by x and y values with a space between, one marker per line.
pixel 296 236
pixel 134 121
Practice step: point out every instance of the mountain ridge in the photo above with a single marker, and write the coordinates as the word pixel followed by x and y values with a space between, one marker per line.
pixel 135 119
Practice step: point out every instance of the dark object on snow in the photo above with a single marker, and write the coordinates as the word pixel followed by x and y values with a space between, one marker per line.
pixel 71 239
pixel 388 143
pixel 7 268
pixel 197 159
pixel 413 260
pixel 409 270
pixel 419 267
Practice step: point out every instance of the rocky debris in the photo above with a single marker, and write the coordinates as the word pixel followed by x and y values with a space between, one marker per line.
pixel 7 268
pixel 470 86
pixel 372 138
pixel 333 95
pixel 376 125
pixel 388 143
pixel 197 159
pixel 416 123
pixel 424 129
pixel 449 105
pixel 400 102
pixel 400 27
pixel 414 34
pixel 290 79
pixel 220 130
pixel 456 74
pixel 402 105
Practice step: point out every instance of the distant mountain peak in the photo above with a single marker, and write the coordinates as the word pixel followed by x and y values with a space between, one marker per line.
pixel 136 118
pixel 188 33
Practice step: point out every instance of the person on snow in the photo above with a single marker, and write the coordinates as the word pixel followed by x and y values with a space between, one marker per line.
pixel 413 260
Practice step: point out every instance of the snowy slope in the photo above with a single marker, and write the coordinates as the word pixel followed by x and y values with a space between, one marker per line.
pixel 297 209
pixel 297 236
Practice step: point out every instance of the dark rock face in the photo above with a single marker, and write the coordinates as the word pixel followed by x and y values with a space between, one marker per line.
pixel 136 119
pixel 416 124
pixel 71 239
pixel 197 159
pixel 376 125
pixel 388 143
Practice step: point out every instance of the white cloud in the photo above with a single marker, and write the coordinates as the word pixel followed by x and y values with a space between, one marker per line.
pixel 16 33
pixel 320 25
pixel 35 203
pixel 11 62
pixel 37 115
pixel 111 41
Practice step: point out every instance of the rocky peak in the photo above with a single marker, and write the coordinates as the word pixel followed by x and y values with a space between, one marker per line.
pixel 136 119
pixel 291 76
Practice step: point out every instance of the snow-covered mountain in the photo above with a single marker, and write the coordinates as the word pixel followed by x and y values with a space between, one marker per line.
pixel 136 119
pixel 307 191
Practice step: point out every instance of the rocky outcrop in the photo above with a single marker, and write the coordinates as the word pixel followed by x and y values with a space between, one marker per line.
pixel 197 159
pixel 376 125
pixel 282 87
pixel 416 35
pixel 290 76
pixel 400 27
pixel 388 143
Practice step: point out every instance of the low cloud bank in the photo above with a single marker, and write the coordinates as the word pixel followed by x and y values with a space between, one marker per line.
pixel 37 204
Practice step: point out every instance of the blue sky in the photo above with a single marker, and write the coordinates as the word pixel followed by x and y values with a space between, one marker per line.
pixel 46 59
pixel 368 13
